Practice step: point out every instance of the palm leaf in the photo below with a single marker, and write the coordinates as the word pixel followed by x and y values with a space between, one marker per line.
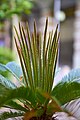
pixel 15 105
pixel 52 59
pixel 69 87
pixel 36 57
pixel 7 83
pixel 25 55
pixel 38 64
pixel 3 90
pixel 67 92
pixel 21 61
pixel 13 68
pixel 19 93
pixel 11 114
pixel 43 54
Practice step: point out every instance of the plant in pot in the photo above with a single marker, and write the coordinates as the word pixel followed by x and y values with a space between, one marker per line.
pixel 35 98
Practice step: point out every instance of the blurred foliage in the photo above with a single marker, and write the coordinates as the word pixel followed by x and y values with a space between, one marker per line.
pixel 5 58
pixel 10 7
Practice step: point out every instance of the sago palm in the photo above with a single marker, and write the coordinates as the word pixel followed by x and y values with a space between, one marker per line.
pixel 35 98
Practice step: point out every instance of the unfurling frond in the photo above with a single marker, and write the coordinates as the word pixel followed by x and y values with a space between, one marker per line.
pixel 38 56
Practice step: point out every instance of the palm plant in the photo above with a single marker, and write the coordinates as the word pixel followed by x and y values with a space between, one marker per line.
pixel 35 98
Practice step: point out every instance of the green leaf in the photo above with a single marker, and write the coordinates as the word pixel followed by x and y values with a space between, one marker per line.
pixel 40 97
pixel 7 83
pixel 52 58
pixel 69 87
pixel 21 60
pixel 38 64
pixel 11 114
pixel 3 90
pixel 23 93
pixel 13 68
pixel 66 91
pixel 15 105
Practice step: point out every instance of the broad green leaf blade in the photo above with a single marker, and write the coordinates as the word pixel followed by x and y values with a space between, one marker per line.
pixel 7 83
pixel 65 92
pixel 11 114
pixel 23 93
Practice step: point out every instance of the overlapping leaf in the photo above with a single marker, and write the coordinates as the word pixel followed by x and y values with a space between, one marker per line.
pixel 69 87
pixel 7 83
pixel 19 93
pixel 13 68
pixel 11 114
